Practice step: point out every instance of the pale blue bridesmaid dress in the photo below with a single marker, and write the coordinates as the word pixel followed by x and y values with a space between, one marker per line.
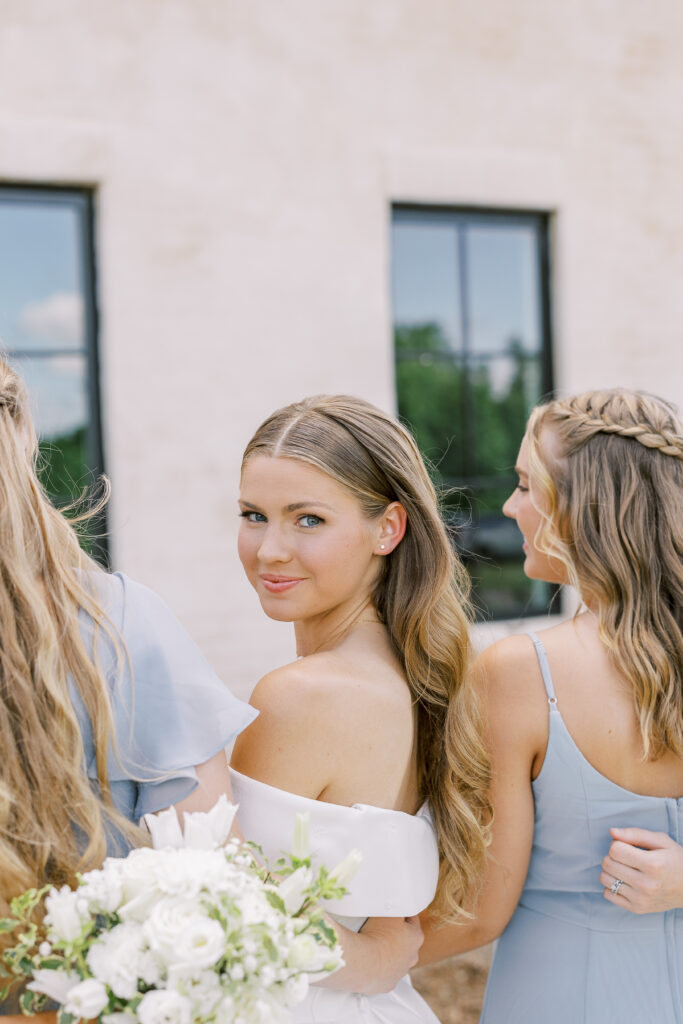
pixel 568 956
pixel 170 709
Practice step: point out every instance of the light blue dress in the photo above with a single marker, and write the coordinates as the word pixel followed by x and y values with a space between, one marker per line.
pixel 171 711
pixel 568 956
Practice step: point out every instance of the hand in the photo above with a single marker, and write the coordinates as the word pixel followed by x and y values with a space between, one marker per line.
pixel 376 957
pixel 396 942
pixel 650 864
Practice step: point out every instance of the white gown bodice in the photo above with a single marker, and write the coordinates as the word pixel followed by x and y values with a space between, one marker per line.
pixel 397 878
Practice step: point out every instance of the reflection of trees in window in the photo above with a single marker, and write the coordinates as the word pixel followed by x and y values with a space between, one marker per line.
pixel 47 330
pixel 467 375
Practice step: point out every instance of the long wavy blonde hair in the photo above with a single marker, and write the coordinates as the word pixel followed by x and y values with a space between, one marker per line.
pixel 421 597
pixel 52 823
pixel 608 466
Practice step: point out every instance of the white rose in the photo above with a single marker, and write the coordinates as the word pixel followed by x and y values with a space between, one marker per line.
pixel 164 1007
pixel 140 876
pixel 225 1011
pixel 201 943
pixel 115 959
pixel 207 830
pixel 119 1018
pixel 87 999
pixel 63 918
pixel 295 990
pixel 166 922
pixel 291 891
pixel 55 984
pixel 203 988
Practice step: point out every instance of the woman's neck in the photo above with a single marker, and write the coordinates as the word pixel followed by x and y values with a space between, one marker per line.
pixel 326 631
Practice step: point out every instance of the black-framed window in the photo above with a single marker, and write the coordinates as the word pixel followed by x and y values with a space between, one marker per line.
pixel 48 331
pixel 471 308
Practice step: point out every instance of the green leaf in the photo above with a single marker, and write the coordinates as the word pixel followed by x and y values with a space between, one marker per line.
pixel 8 925
pixel 276 901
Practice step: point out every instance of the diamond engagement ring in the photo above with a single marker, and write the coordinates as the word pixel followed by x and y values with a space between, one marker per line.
pixel 616 886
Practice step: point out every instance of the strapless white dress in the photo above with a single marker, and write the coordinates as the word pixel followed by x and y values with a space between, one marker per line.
pixel 397 878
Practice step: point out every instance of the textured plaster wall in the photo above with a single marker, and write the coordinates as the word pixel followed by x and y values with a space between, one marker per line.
pixel 245 156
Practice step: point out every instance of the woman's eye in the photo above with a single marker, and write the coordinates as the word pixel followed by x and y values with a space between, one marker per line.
pixel 522 489
pixel 310 520
pixel 253 517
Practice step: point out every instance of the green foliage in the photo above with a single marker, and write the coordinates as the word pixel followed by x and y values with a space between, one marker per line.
pixel 468 425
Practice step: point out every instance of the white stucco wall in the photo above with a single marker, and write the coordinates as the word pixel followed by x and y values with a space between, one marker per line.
pixel 245 155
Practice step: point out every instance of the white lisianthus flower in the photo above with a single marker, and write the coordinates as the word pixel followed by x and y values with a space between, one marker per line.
pixel 344 871
pixel 115 959
pixel 291 891
pixel 200 943
pixel 301 847
pixel 55 984
pixel 164 1007
pixel 87 999
pixel 164 829
pixel 64 918
pixel 206 831
pixel 306 955
pixel 103 889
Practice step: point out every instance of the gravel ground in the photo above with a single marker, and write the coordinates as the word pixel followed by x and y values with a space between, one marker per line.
pixel 455 988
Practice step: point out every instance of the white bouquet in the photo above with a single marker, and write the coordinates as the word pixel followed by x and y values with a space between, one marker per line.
pixel 194 931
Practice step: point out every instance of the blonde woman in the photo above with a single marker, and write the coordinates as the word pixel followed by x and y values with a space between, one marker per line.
pixel 108 710
pixel 373 729
pixel 586 724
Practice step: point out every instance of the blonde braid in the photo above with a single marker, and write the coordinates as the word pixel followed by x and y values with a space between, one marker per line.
pixel 582 409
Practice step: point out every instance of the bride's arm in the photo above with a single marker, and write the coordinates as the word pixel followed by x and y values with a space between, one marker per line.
pixel 516 716
pixel 378 956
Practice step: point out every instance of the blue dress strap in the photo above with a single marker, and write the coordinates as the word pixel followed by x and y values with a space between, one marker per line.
pixel 545 670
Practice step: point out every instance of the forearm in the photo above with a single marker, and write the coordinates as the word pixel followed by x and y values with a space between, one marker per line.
pixel 442 941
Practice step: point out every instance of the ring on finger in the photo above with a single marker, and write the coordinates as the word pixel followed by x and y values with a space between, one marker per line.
pixel 616 886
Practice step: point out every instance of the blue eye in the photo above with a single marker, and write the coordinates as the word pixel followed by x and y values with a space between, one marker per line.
pixel 253 517
pixel 309 521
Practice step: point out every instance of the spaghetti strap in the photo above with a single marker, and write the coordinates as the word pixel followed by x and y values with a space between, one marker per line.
pixel 545 669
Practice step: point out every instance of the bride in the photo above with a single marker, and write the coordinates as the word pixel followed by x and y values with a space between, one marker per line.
pixel 372 730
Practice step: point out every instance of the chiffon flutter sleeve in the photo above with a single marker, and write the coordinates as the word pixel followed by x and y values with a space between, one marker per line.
pixel 171 711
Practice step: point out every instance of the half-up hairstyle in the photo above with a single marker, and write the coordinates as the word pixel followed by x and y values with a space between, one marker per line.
pixel 421 597
pixel 52 824
pixel 608 466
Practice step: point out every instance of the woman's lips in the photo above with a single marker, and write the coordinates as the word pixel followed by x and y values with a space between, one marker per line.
pixel 278 584
pixel 525 546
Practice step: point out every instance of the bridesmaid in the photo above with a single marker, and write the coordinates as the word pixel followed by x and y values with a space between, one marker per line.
pixel 108 710
pixel 341 536
pixel 586 726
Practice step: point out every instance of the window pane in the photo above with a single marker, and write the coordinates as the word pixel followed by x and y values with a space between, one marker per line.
pixel 41 292
pixel 468 371
pixel 58 392
pixel 46 329
pixel 425 277
pixel 502 279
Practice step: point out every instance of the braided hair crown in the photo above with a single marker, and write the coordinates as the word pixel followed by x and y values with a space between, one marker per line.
pixel 645 418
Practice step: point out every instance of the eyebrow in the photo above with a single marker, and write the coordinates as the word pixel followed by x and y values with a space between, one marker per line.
pixel 295 507
pixel 520 472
